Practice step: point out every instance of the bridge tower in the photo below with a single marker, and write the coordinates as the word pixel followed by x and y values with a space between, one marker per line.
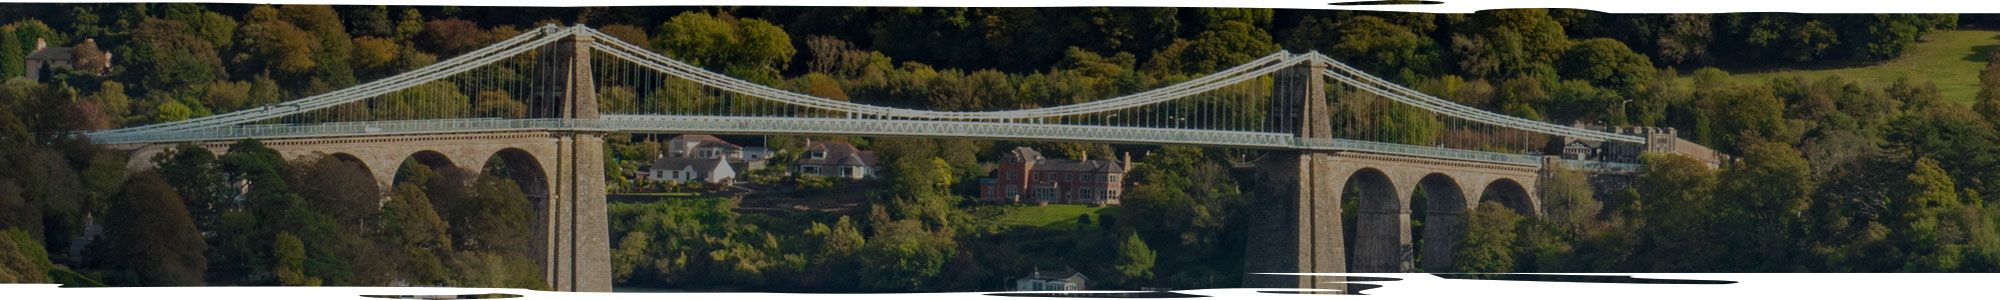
pixel 573 225
pixel 1296 226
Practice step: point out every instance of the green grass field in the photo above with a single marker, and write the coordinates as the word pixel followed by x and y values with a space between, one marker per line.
pixel 1951 59
pixel 1052 215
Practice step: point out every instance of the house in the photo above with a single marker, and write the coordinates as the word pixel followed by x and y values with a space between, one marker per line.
pixel 685 169
pixel 84 57
pixel 1658 140
pixel 1025 176
pixel 836 159
pixel 1052 281
pixel 708 146
pixel 1582 150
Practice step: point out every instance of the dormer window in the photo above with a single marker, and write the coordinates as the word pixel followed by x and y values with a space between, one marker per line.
pixel 819 154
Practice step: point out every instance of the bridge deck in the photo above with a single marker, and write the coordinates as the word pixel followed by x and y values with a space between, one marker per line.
pixel 838 126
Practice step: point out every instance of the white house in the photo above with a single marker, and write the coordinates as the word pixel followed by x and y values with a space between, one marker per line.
pixel 708 146
pixel 1052 281
pixel 836 159
pixel 684 169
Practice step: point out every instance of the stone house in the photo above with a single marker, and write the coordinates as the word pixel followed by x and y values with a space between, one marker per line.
pixel 45 59
pixel 1024 176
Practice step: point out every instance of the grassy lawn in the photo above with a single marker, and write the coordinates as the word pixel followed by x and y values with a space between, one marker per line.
pixel 1052 215
pixel 1950 59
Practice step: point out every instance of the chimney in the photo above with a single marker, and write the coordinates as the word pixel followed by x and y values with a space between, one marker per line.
pixel 1086 156
pixel 41 43
pixel 1127 167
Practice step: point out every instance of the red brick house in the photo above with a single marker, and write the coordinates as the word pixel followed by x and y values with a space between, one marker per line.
pixel 1024 176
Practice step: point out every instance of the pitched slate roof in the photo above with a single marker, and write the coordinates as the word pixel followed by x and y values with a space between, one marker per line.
pixel 696 137
pixel 677 163
pixel 718 144
pixel 53 53
pixel 1024 154
pixel 837 154
pixel 1064 165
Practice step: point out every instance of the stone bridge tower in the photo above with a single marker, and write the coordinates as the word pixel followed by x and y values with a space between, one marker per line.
pixel 1295 219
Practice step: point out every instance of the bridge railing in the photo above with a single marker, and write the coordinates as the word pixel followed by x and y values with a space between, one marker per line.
pixel 1434 152
pixel 782 125
pixel 1601 167
pixel 347 129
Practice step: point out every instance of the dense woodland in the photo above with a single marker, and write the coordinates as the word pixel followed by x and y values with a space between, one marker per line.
pixel 1828 175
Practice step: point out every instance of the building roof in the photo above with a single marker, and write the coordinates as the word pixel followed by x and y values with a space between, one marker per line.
pixel 1024 154
pixel 696 138
pixel 1064 165
pixel 837 154
pixel 718 144
pixel 53 53
pixel 1054 275
pixel 678 163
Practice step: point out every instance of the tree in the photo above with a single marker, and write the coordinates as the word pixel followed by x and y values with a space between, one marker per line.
pixel 338 188
pixel 170 57
pixel 627 33
pixel 1369 42
pixel 904 256
pixel 1222 45
pixel 291 256
pixel 498 104
pixel 450 37
pixel 1487 246
pixel 1568 203
pixel 1677 195
pixel 374 55
pixel 749 48
pixel 1606 63
pixel 1937 230
pixel 13 60
pixel 192 172
pixel 149 240
pixel 1135 260
pixel 1764 195
pixel 18 263
pixel 486 213
pixel 1987 102
pixel 411 226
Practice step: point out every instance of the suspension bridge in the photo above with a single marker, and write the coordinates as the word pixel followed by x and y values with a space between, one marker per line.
pixel 540 103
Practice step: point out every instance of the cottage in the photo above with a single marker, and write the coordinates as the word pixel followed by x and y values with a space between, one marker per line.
pixel 84 57
pixel 708 146
pixel 685 169
pixel 1025 176
pixel 1052 281
pixel 836 159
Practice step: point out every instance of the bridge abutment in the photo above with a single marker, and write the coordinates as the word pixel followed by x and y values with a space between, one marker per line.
pixel 1295 224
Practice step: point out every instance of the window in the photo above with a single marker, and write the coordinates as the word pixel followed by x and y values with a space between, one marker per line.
pixel 814 170
pixel 820 154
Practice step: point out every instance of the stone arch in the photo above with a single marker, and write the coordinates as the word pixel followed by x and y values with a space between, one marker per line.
pixel 366 167
pixel 1444 206
pixel 1513 194
pixel 1382 223
pixel 340 188
pixel 528 173
pixel 429 158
